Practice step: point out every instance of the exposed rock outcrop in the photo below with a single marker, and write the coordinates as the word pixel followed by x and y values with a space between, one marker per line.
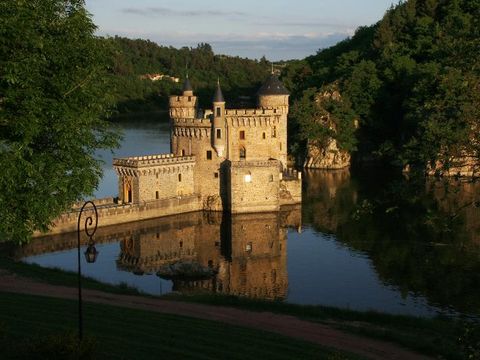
pixel 326 157
pixel 326 154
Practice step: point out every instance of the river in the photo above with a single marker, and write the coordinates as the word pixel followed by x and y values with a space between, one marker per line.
pixel 363 239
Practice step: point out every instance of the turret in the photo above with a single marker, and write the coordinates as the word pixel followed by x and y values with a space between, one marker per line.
pixel 219 132
pixel 273 94
pixel 185 105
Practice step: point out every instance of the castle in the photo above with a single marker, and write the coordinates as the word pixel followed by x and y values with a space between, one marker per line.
pixel 232 160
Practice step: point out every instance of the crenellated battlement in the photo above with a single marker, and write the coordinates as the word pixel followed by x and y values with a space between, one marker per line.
pixel 185 122
pixel 254 112
pixel 182 101
pixel 253 121
pixel 255 163
pixel 152 160
pixel 192 132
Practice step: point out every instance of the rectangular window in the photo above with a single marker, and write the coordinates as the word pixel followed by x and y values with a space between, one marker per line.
pixel 280 146
pixel 242 135
pixel 189 98
pixel 209 155
pixel 179 177
pixel 264 136
pixel 219 113
pixel 215 175
pixel 219 133
pixel 156 195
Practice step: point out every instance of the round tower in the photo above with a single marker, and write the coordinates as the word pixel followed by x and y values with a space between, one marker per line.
pixel 219 133
pixel 185 105
pixel 273 95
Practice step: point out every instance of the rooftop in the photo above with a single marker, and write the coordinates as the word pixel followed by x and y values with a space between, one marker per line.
pixel 273 86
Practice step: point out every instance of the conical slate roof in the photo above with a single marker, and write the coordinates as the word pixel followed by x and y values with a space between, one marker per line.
pixel 186 85
pixel 218 96
pixel 273 86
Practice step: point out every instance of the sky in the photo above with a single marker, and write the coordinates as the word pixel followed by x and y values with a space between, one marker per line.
pixel 276 29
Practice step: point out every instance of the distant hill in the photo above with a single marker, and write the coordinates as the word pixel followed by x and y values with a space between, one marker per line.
pixel 134 59
pixel 411 82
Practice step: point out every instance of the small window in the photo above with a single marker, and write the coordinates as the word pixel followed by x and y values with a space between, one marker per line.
pixel 242 135
pixel 248 247
pixel 180 244
pixel 158 235
pixel 270 178
pixel 219 112
pixel 215 175
pixel 248 178
pixel 157 176
pixel 264 136
pixel 219 133
pixel 189 98
pixel 243 153
pixel 209 154
pixel 183 152
pixel 274 131
pixel 274 111
pixel 179 177
pixel 280 146
pixel 157 196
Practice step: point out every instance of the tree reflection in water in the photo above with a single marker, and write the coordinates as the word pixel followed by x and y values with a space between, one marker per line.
pixel 422 235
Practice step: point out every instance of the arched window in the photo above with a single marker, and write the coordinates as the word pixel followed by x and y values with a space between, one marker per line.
pixel 243 153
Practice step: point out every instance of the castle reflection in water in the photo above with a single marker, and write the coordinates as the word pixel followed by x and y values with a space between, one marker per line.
pixel 247 253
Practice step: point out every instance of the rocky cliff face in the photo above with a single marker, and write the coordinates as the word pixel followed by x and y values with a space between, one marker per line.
pixel 465 166
pixel 327 154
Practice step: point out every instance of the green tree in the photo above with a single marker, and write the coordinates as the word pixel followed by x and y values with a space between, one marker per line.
pixel 53 102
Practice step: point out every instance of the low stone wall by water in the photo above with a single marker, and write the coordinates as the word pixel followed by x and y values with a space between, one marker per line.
pixel 112 214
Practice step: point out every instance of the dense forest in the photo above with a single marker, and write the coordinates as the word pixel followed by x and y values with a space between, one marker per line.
pixel 410 86
pixel 134 58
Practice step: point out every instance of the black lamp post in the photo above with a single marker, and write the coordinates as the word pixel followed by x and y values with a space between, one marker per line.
pixel 90 226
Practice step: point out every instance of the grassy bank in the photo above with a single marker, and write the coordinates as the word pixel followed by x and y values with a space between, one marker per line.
pixel 121 333
pixel 432 336
pixel 437 336
pixel 61 277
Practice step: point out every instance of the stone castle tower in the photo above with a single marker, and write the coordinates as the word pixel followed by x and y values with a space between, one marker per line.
pixel 230 159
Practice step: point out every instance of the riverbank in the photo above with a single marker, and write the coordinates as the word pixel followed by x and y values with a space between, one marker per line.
pixel 434 337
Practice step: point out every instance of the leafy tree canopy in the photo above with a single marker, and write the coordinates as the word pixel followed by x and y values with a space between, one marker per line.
pixel 412 80
pixel 53 99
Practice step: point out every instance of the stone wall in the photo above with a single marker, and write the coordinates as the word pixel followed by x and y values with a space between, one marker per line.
pixel 254 186
pixel 155 177
pixel 290 187
pixel 264 137
pixel 124 213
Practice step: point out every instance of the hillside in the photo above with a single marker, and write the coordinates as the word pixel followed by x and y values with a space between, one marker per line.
pixel 134 58
pixel 411 82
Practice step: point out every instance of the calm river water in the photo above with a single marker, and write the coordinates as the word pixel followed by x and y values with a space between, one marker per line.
pixel 361 240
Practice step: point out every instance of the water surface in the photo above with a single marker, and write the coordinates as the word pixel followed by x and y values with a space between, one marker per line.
pixel 363 240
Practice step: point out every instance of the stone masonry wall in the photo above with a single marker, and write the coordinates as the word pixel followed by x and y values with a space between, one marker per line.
pixel 124 213
pixel 253 186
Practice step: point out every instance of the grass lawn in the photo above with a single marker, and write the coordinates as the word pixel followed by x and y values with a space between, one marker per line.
pixel 121 333
pixel 435 337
